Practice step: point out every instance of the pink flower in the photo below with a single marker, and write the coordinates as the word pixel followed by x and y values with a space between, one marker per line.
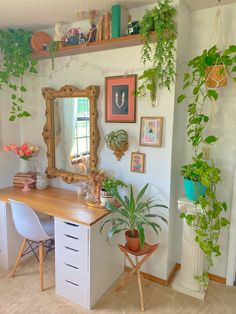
pixel 13 147
pixel 24 147
pixel 28 153
pixel 20 153
pixel 6 148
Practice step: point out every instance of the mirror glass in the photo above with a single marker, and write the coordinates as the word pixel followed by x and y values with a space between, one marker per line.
pixel 72 134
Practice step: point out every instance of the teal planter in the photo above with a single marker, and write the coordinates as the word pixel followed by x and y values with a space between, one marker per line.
pixel 193 189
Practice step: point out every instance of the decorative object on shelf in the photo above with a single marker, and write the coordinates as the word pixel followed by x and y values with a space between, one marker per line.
pixel 132 215
pixel 16 61
pixel 92 34
pixel 119 20
pixel 40 40
pixel 41 182
pixel 118 142
pixel 137 162
pixel 25 152
pixel 75 37
pixel 133 28
pixel 27 182
pixel 120 98
pixel 59 35
pixel 107 27
pixel 96 179
pixel 160 20
pixel 106 193
pixel 20 177
pixel 151 131
pixel 100 29
pixel 209 221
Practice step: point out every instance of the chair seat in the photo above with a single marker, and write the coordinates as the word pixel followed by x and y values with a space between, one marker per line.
pixel 48 226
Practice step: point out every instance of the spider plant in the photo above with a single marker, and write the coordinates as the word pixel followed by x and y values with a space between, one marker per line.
pixel 132 214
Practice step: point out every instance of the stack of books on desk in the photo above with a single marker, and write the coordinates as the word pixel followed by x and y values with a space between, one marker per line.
pixel 20 177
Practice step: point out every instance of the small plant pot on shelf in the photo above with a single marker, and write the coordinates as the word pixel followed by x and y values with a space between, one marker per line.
pixel 106 197
pixel 216 76
pixel 133 243
pixel 193 189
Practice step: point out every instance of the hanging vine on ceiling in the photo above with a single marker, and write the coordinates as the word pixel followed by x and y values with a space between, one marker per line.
pixel 160 50
pixel 16 61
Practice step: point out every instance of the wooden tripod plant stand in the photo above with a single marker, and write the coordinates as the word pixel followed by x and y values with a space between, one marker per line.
pixel 146 252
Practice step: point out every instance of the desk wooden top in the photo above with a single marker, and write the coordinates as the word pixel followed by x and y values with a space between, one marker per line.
pixel 56 202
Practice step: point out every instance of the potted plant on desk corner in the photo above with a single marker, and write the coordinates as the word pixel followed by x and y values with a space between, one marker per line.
pixel 131 217
pixel 108 186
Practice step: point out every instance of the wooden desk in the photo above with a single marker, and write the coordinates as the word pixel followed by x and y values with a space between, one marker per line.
pixel 86 265
pixel 56 202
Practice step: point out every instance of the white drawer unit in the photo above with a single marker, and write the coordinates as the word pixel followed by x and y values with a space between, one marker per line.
pixel 86 265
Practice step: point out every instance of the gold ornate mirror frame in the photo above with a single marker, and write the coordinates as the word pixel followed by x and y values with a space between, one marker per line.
pixel 49 94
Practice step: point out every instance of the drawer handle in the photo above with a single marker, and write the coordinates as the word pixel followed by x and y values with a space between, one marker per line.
pixel 72 266
pixel 69 248
pixel 69 236
pixel 74 284
pixel 71 224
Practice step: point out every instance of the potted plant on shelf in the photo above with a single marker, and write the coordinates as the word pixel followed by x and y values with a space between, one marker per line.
pixel 118 142
pixel 108 186
pixel 132 215
pixel 159 23
pixel 17 60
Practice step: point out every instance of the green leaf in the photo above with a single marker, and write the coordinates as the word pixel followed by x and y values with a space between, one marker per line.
pixel 234 69
pixel 210 139
pixel 181 98
pixel 26 114
pixel 12 118
pixel 212 94
pixel 196 90
pixel 23 89
pixel 186 76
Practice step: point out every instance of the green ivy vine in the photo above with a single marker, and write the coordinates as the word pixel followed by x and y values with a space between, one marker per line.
pixel 208 221
pixel 16 61
pixel 160 51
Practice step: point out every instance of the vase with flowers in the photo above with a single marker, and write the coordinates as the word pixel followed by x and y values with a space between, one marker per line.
pixel 25 152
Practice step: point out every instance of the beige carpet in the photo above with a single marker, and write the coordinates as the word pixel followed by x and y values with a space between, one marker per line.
pixel 22 295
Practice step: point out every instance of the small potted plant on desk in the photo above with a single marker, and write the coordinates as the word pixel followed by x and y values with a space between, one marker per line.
pixel 131 216
pixel 108 186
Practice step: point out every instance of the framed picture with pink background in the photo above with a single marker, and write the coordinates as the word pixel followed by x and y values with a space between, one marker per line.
pixel 137 162
pixel 151 131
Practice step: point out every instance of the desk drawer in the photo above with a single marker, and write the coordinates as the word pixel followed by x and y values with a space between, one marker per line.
pixel 72 274
pixel 71 229
pixel 72 242
pixel 72 292
pixel 72 257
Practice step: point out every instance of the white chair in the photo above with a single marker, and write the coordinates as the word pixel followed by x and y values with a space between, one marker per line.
pixel 33 230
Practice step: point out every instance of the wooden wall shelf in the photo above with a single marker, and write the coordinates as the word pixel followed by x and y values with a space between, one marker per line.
pixel 121 42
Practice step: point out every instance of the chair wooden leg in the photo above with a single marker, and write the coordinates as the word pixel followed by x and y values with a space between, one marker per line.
pixel 22 248
pixel 140 286
pixel 41 256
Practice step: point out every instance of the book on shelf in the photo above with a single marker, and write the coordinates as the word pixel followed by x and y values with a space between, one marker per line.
pixel 107 23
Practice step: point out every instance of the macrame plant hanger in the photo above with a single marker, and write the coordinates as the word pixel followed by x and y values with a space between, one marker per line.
pixel 218 39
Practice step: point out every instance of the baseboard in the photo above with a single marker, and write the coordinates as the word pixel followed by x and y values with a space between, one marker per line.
pixel 167 282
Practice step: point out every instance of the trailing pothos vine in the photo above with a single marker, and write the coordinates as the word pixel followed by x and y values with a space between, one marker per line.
pixel 207 221
pixel 158 23
pixel 16 60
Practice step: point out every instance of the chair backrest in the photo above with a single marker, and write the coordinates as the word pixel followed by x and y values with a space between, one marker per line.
pixel 27 222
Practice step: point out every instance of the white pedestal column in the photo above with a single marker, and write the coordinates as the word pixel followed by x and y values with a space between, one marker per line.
pixel 191 258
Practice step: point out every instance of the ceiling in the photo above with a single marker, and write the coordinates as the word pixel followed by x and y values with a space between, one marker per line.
pixel 203 4
pixel 40 14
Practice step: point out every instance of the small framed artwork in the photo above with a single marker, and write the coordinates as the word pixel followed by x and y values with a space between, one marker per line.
pixel 120 99
pixel 137 162
pixel 151 131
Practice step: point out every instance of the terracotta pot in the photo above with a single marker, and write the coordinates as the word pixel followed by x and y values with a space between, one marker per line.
pixel 216 76
pixel 132 243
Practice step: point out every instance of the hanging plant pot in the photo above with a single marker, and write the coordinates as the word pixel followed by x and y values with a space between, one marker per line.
pixel 216 76
pixel 133 243
pixel 193 189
